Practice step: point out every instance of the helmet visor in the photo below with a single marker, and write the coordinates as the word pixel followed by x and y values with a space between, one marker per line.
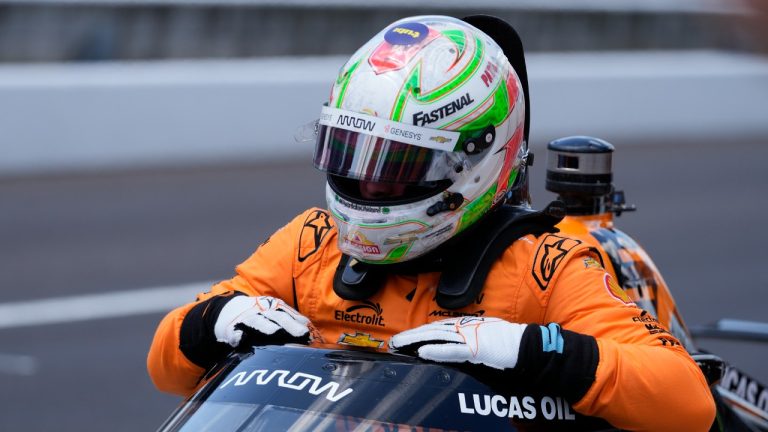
pixel 364 155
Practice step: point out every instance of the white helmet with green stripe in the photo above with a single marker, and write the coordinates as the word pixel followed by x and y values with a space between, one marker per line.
pixel 431 112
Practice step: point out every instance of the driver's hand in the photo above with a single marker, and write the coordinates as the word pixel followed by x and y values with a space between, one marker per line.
pixel 248 321
pixel 491 342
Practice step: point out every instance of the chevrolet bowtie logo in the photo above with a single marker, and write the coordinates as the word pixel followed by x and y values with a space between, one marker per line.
pixel 360 339
pixel 440 139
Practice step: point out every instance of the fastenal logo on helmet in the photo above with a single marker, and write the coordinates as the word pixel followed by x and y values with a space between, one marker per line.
pixel 421 118
pixel 406 34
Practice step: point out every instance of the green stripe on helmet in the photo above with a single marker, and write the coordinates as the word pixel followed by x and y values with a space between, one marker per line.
pixel 496 114
pixel 343 80
pixel 412 85
pixel 459 38
pixel 477 208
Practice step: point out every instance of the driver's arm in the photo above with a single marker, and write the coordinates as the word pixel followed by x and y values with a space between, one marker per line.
pixel 645 380
pixel 184 346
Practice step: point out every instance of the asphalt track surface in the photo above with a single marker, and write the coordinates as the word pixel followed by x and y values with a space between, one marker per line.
pixel 702 212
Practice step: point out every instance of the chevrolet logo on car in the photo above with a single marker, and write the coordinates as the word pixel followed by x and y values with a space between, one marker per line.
pixel 360 339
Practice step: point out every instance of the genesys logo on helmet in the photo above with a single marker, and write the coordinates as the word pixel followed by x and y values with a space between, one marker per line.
pixel 398 132
pixel 355 314
pixel 421 118
pixel 406 33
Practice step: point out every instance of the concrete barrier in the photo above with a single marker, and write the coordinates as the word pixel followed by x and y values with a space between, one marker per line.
pixel 58 30
pixel 73 117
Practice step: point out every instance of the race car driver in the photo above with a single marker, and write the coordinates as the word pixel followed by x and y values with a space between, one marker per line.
pixel 429 245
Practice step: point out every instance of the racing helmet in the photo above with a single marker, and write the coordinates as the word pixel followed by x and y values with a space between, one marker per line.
pixel 431 107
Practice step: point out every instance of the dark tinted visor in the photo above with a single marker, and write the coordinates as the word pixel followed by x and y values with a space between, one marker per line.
pixel 367 157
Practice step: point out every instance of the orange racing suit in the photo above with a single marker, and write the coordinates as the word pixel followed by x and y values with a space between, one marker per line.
pixel 643 378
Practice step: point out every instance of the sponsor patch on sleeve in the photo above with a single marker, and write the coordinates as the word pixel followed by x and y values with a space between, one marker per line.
pixel 590 262
pixel 316 226
pixel 550 254
pixel 616 291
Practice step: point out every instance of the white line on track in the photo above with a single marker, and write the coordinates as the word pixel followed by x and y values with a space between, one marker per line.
pixel 98 306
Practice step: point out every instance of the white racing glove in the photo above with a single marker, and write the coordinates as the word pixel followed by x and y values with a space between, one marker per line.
pixel 262 319
pixel 491 342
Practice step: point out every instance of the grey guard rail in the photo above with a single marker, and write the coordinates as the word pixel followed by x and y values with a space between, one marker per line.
pixel 727 328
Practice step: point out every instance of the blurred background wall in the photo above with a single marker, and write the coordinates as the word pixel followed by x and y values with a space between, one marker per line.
pixel 85 30
pixel 91 83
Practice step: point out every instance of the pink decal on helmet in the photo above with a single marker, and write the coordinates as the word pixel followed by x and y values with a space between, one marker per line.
pixel 512 89
pixel 389 57
pixel 511 149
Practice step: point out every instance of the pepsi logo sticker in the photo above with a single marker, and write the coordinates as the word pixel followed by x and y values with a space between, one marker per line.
pixel 406 34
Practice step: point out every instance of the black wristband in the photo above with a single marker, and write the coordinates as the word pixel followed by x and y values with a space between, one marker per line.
pixel 197 339
pixel 564 364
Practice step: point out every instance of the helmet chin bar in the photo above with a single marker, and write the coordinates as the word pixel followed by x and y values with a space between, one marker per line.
pixel 345 188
